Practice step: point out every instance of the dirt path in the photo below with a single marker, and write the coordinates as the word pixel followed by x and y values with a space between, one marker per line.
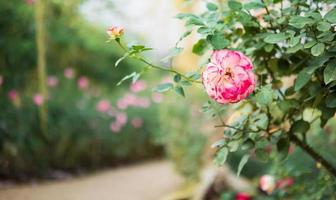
pixel 148 181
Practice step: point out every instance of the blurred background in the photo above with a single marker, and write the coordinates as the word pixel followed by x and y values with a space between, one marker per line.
pixel 64 121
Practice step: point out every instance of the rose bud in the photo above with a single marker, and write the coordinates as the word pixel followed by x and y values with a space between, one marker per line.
pixel 115 31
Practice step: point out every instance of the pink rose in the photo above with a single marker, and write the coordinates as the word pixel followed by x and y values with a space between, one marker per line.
pixel 228 78
pixel 267 183
pixel 83 83
pixel 137 122
pixel 138 86
pixel 38 99
pixel 69 73
pixel 242 196
pixel 12 95
pixel 103 105
pixel 115 31
pixel 52 81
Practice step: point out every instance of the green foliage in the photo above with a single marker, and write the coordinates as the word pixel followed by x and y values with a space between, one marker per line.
pixel 79 137
pixel 290 39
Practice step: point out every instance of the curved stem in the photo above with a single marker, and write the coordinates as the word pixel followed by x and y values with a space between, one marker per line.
pixel 327 165
pixel 158 67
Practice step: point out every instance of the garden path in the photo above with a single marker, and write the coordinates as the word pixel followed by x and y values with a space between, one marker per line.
pixel 147 181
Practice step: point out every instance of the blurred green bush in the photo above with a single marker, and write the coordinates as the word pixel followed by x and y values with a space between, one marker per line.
pixel 89 125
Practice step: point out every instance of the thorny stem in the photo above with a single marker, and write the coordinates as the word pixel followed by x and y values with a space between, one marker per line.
pixel 268 12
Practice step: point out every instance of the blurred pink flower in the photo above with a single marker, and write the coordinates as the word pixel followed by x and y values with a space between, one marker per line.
pixel 142 103
pixel 38 99
pixel 115 127
pixel 242 196
pixel 69 73
pixel 83 83
pixel 157 97
pixel 285 182
pixel 228 78
pixel 52 81
pixel 30 2
pixel 121 118
pixel 12 95
pixel 103 105
pixel 1 80
pixel 115 31
pixel 267 183
pixel 138 86
pixel 122 104
pixel 137 122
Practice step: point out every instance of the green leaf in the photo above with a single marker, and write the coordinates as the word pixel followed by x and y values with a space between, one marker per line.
pixel 193 75
pixel 121 59
pixel 294 48
pixel 234 5
pixel 264 96
pixel 300 21
pixel 221 156
pixel 179 90
pixel 274 38
pixel 218 144
pixel 300 126
pixel 133 75
pixel 177 78
pixel 323 26
pixel 200 47
pixel 218 41
pixel 318 49
pixel 331 100
pixel 326 37
pixel 302 79
pixel 287 105
pixel 282 147
pixel 294 41
pixel 242 163
pixel 330 72
pixel 248 144
pixel 211 6
pixel 309 44
pixel 164 87
pixel 261 154
pixel 253 5
pixel 331 16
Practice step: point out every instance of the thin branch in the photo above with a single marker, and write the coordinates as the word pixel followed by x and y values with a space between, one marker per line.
pixel 327 165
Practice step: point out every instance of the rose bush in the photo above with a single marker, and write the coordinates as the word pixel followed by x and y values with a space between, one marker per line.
pixel 289 101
